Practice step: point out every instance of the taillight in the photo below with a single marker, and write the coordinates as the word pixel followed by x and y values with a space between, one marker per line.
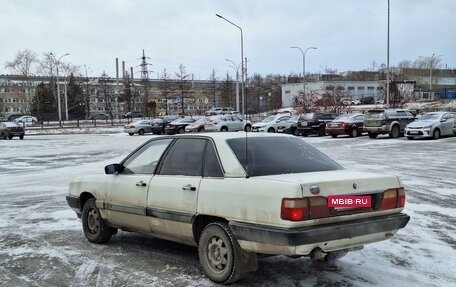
pixel 393 198
pixel 344 125
pixel 299 209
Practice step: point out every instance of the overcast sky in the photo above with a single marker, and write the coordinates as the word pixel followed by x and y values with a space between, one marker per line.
pixel 349 34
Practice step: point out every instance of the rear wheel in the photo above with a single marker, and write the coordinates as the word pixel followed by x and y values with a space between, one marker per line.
pixel 141 132
pixel 10 137
pixel 334 136
pixel 94 226
pixel 248 128
pixel 181 130
pixel 21 137
pixel 296 132
pixel 131 134
pixel 436 134
pixel 321 132
pixel 224 129
pixel 395 132
pixel 217 253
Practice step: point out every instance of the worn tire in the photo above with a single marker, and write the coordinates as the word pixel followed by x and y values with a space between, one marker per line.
pixel 141 132
pixel 395 132
pixel 436 134
pixel 94 227
pixel 217 253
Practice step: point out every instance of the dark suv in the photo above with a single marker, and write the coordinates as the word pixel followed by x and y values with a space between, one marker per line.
pixel 314 123
pixel 134 114
pixel 387 121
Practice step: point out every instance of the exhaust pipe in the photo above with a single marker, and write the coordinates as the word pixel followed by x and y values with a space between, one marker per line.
pixel 318 254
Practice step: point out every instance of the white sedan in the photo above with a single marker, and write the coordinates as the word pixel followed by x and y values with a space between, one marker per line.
pixel 433 124
pixel 270 124
pixel 236 195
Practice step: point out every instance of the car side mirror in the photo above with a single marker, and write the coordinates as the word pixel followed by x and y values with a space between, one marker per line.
pixel 112 168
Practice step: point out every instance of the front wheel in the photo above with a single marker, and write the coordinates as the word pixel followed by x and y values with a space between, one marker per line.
pixel 271 130
pixel 354 133
pixel 216 251
pixel 321 132
pixel 436 134
pixel 334 136
pixel 141 132
pixel 248 128
pixel 131 134
pixel 296 132
pixel 181 131
pixel 94 226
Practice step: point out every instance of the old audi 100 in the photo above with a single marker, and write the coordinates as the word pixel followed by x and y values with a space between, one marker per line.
pixel 236 195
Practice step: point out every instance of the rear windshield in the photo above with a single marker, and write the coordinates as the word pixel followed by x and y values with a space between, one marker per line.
pixel 280 155
pixel 307 117
pixel 373 115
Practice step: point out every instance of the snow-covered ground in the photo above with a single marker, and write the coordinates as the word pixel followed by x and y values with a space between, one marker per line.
pixel 42 243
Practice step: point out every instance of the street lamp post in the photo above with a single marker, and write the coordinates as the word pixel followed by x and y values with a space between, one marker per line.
pixel 388 59
pixel 242 61
pixel 303 65
pixel 57 63
pixel 236 68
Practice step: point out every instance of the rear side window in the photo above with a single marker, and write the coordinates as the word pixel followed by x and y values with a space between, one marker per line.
pixel 280 155
pixel 375 115
pixel 212 166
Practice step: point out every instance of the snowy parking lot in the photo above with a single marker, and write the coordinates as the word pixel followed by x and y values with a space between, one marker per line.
pixel 42 243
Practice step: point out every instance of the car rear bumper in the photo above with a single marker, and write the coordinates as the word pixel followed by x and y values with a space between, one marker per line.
pixel 302 241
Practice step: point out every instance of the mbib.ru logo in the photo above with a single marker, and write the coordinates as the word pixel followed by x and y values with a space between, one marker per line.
pixel 341 201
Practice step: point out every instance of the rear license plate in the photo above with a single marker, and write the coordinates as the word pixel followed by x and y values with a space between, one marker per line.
pixel 349 201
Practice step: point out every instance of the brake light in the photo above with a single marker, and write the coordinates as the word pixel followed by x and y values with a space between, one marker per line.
pixel 393 198
pixel 299 209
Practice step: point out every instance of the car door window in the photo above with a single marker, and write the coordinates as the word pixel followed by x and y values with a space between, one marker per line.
pixel 185 157
pixel 212 166
pixel 145 160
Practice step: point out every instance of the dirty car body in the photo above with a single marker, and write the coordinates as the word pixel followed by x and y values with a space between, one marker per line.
pixel 229 195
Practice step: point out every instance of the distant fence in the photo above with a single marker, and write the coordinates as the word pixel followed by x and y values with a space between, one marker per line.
pixel 446 95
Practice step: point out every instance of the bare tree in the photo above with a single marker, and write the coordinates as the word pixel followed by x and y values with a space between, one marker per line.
pixel 183 86
pixel 304 103
pixel 213 87
pixel 22 65
pixel 105 92
pixel 165 88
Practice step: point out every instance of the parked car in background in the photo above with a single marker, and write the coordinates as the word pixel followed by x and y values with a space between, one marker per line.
pixel 11 118
pixel 454 126
pixel 139 127
pixel 227 123
pixel 178 126
pixel 314 123
pixel 26 120
pixel 100 116
pixel 197 126
pixel 133 114
pixel 387 121
pixel 434 124
pixel 219 111
pixel 203 190
pixel 8 130
pixel 290 126
pixel 159 124
pixel 271 123
pixel 350 124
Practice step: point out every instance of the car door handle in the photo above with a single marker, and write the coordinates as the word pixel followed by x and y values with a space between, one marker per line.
pixel 188 187
pixel 141 183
